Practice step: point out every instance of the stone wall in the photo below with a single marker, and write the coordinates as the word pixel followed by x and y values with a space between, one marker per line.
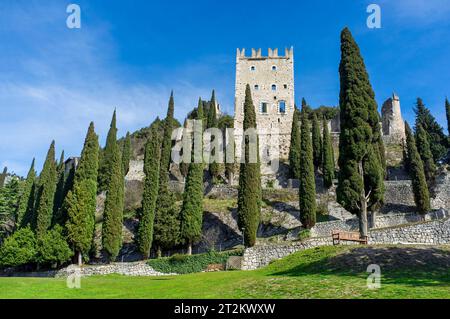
pixel 127 269
pixel 442 191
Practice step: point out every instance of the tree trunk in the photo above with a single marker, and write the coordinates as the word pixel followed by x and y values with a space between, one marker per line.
pixel 363 205
pixel 80 259
pixel 189 249
pixel 374 219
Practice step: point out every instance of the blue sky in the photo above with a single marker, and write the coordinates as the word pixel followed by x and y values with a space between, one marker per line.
pixel 129 55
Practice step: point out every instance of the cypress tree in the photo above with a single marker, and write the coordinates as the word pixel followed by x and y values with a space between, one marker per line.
pixel 59 194
pixel 166 227
pixel 46 193
pixel 26 201
pixel 126 154
pixel 294 150
pixel 434 131
pixel 192 210
pixel 214 167
pixel 423 147
pixel 114 202
pixel 417 173
pixel 316 143
pixel 307 188
pixel 361 173
pixel 447 112
pixel 150 195
pixel 184 167
pixel 107 156
pixel 249 192
pixel 80 202
pixel 328 158
pixel 3 176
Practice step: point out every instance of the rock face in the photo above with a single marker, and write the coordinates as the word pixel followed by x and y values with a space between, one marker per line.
pixel 127 269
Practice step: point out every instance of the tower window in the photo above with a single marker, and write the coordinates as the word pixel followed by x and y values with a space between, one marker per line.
pixel 285 86
pixel 252 68
pixel 256 87
pixel 274 67
pixel 263 108
pixel 282 107
pixel 274 87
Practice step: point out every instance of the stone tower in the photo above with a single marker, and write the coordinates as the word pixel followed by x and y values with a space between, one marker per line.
pixel 271 79
pixel 393 125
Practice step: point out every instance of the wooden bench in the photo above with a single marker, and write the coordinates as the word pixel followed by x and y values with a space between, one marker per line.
pixel 347 236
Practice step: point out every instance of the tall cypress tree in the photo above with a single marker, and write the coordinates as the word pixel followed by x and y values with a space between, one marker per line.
pixel 184 167
pixel 249 193
pixel 294 150
pixel 328 157
pixel 447 112
pixel 417 173
pixel 59 193
pixel 361 173
pixel 46 193
pixel 113 213
pixel 166 227
pixel 3 176
pixel 126 154
pixel 150 195
pixel 434 131
pixel 316 142
pixel 107 156
pixel 80 202
pixel 191 216
pixel 26 201
pixel 423 147
pixel 214 167
pixel 307 188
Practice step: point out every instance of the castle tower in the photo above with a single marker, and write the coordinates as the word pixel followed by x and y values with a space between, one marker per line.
pixel 393 126
pixel 271 79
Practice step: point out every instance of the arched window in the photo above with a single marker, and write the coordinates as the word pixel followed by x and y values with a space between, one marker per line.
pixel 252 68
pixel 274 67
pixel 256 87
pixel 274 87
pixel 282 107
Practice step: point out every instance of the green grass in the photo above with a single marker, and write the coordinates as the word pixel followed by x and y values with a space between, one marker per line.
pixel 316 273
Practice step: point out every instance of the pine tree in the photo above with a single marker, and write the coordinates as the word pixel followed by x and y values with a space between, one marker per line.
pixel 249 193
pixel 114 202
pixel 307 188
pixel 214 166
pixel 104 170
pixel 150 195
pixel 447 112
pixel 80 202
pixel 26 201
pixel 3 176
pixel 316 143
pixel 126 154
pixel 59 193
pixel 46 193
pixel 328 158
pixel 361 173
pixel 417 173
pixel 434 131
pixel 423 147
pixel 166 226
pixel 191 215
pixel 294 150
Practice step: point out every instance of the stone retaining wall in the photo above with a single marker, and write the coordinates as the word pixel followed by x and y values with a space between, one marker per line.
pixel 127 269
pixel 434 232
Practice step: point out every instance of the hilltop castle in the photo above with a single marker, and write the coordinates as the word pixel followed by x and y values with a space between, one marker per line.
pixel 271 79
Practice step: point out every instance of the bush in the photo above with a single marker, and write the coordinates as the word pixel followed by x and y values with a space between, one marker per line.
pixel 52 248
pixel 304 234
pixel 185 264
pixel 18 249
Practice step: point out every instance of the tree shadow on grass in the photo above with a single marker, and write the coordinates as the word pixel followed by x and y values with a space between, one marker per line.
pixel 414 266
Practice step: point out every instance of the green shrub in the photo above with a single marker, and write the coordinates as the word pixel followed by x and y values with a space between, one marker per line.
pixel 18 249
pixel 185 264
pixel 304 234
pixel 52 248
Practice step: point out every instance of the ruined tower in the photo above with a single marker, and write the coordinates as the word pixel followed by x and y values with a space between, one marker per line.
pixel 271 79
pixel 393 125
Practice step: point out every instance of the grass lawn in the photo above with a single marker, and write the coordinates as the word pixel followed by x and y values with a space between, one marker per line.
pixel 325 272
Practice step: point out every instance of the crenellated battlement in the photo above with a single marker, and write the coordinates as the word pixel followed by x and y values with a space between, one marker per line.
pixel 271 54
